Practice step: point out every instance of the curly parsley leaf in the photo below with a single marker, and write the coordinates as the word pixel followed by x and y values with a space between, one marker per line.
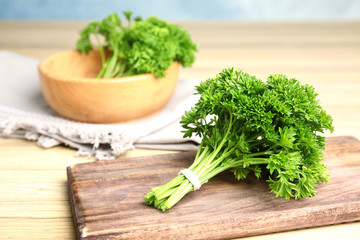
pixel 143 46
pixel 270 128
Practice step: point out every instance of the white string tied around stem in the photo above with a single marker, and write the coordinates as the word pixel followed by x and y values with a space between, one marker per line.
pixel 191 176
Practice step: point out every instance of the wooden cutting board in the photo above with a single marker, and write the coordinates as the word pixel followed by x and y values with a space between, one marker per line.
pixel 107 199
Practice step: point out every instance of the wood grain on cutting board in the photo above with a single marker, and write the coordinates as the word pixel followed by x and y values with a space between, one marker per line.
pixel 107 199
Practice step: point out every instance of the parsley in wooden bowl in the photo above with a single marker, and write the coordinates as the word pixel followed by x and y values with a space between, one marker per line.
pixel 130 73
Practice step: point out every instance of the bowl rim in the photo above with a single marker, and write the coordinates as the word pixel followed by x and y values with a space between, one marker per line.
pixel 60 77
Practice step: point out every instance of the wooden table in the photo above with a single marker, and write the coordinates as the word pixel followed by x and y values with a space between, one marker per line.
pixel 34 200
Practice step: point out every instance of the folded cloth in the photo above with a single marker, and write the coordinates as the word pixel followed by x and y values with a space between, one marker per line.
pixel 24 113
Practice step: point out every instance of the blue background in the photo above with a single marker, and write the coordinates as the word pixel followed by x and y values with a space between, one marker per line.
pixel 184 9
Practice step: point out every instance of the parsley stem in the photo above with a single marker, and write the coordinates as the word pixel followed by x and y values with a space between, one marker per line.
pixel 200 150
pixel 239 163
pixel 101 49
pixel 180 192
pixel 199 171
pixel 258 154
pixel 110 67
pixel 217 161
pixel 254 161
pixel 201 156
pixel 171 184
pixel 102 71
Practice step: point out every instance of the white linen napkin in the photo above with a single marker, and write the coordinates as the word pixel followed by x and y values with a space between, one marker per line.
pixel 24 113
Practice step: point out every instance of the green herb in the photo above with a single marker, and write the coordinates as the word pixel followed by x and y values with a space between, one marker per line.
pixel 141 46
pixel 271 129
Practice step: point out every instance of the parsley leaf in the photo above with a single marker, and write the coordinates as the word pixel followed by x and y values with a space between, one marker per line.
pixel 143 46
pixel 271 128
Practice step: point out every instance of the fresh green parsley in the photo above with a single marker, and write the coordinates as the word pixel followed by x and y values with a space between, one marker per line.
pixel 137 46
pixel 273 129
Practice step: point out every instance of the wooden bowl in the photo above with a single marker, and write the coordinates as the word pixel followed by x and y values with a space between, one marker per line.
pixel 69 85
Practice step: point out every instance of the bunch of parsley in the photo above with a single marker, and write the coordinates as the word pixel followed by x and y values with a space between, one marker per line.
pixel 141 46
pixel 272 129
